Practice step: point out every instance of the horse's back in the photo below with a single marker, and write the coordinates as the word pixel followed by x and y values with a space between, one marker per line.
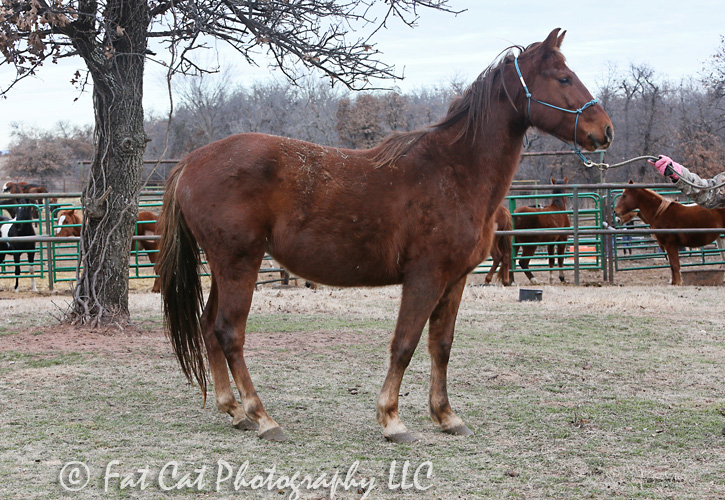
pixel 313 208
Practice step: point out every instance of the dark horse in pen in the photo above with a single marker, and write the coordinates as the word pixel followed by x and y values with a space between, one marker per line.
pixel 416 210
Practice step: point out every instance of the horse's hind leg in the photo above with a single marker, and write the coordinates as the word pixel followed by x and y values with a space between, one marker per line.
pixel 492 271
pixel 720 242
pixel 225 400
pixel 420 296
pixel 526 253
pixel 235 288
pixel 561 248
pixel 440 339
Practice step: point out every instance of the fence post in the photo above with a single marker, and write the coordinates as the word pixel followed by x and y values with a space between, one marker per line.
pixel 611 256
pixel 575 207
pixel 51 263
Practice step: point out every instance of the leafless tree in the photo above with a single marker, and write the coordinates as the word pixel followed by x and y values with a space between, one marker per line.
pixel 44 154
pixel 112 37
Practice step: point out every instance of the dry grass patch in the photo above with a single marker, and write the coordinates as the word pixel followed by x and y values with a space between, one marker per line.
pixel 592 393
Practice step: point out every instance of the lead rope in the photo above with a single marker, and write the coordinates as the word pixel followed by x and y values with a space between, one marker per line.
pixel 587 162
pixel 606 166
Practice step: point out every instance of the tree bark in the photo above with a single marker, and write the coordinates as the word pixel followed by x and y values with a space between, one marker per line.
pixel 111 195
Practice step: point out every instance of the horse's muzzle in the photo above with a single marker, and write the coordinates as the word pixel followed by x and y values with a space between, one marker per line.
pixel 605 141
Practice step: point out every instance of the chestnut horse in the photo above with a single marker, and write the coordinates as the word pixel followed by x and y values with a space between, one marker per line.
pixel 661 213
pixel 540 218
pixel 69 223
pixel 416 210
pixel 501 247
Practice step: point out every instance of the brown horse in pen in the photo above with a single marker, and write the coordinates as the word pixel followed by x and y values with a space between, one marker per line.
pixel 501 247
pixel 416 210
pixel 542 218
pixel 69 223
pixel 23 187
pixel 661 213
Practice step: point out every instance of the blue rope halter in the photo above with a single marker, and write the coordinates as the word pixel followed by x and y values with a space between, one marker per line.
pixel 578 112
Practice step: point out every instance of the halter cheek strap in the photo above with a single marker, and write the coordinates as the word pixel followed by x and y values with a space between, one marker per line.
pixel 578 112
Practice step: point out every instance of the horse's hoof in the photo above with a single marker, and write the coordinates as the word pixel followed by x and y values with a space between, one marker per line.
pixel 534 281
pixel 246 425
pixel 275 434
pixel 401 438
pixel 459 430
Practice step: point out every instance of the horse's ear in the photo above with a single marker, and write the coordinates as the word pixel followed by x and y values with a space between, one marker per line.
pixel 566 180
pixel 552 41
pixel 560 39
pixel 631 181
pixel 553 181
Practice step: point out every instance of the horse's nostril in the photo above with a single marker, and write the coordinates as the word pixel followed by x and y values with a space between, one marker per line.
pixel 609 133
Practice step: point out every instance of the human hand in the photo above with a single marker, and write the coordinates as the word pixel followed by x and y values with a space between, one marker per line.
pixel 663 163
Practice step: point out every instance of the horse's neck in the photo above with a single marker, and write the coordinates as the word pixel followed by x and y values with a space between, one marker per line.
pixel 25 229
pixel 649 204
pixel 492 152
pixel 559 203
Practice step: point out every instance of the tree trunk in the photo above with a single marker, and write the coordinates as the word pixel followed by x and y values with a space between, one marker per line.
pixel 111 196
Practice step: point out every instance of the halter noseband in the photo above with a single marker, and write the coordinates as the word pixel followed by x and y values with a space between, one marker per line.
pixel 577 112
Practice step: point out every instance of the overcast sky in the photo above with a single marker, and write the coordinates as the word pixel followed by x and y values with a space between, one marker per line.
pixel 675 38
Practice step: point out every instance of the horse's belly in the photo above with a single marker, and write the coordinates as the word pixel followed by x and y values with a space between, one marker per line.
pixel 338 263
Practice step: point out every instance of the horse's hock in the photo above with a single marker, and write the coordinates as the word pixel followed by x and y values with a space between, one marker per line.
pixel 703 277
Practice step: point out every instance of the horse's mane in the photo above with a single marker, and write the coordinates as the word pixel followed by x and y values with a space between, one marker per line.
pixel 473 106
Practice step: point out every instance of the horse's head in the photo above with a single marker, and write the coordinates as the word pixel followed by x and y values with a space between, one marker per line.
pixel 66 224
pixel 559 200
pixel 627 205
pixel 14 187
pixel 558 103
pixel 24 211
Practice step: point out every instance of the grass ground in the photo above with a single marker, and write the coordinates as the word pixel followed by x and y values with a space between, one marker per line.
pixel 612 392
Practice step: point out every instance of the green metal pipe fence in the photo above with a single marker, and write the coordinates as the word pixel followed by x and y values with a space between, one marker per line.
pixel 591 245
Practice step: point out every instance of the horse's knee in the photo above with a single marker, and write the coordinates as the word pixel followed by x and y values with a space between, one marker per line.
pixel 440 347
pixel 402 353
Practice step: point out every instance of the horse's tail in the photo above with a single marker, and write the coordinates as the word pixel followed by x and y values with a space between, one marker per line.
pixel 178 261
pixel 505 247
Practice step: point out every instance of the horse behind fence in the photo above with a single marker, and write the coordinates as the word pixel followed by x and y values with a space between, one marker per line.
pixel 501 248
pixel 661 213
pixel 21 225
pixel 549 217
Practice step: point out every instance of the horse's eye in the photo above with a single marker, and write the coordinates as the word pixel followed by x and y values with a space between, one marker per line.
pixel 564 80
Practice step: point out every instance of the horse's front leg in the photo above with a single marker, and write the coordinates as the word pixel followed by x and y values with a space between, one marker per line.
pixel 420 296
pixel 673 254
pixel 440 339
pixel 16 258
pixel 31 260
